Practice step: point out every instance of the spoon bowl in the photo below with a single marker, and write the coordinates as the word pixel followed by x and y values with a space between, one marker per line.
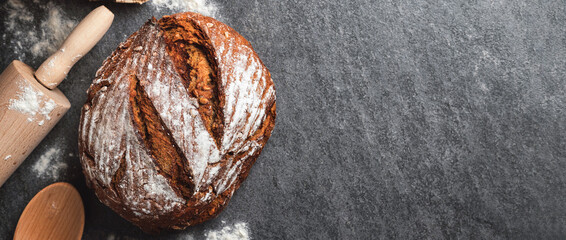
pixel 56 212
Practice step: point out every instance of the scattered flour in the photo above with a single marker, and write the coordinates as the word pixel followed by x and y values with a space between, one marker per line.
pixel 17 14
pixel 8 157
pixel 114 237
pixel 204 7
pixel 39 35
pixel 186 237
pixel 50 164
pixel 30 102
pixel 57 27
pixel 237 232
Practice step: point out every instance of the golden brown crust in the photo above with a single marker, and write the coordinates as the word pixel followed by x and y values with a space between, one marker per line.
pixel 174 120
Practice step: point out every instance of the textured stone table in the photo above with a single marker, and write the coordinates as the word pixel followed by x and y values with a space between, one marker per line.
pixel 396 119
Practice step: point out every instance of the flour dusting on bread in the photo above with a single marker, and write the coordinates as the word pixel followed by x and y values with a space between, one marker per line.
pixel 141 104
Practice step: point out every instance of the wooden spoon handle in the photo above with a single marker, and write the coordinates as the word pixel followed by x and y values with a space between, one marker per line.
pixel 83 38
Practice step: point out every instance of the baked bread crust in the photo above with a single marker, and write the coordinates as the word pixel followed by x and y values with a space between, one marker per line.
pixel 174 120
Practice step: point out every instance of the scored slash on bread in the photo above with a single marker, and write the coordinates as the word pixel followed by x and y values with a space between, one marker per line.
pixel 174 120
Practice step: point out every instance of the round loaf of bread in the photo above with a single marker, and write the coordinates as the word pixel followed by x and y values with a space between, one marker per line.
pixel 174 120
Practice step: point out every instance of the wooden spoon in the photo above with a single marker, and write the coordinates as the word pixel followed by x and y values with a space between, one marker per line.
pixel 56 212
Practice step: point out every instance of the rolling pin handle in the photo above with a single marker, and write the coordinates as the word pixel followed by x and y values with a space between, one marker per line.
pixel 81 40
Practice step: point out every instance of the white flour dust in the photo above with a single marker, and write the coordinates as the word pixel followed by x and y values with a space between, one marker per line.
pixel 17 14
pixel 239 231
pixel 204 7
pixel 50 164
pixel 39 35
pixel 186 237
pixel 57 27
pixel 114 237
pixel 31 103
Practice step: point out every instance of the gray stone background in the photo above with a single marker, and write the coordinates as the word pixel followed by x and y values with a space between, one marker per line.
pixel 396 120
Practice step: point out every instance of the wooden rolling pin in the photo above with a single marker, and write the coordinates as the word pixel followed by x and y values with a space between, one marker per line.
pixel 30 107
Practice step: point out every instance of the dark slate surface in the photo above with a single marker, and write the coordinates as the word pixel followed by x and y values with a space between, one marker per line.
pixel 396 119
